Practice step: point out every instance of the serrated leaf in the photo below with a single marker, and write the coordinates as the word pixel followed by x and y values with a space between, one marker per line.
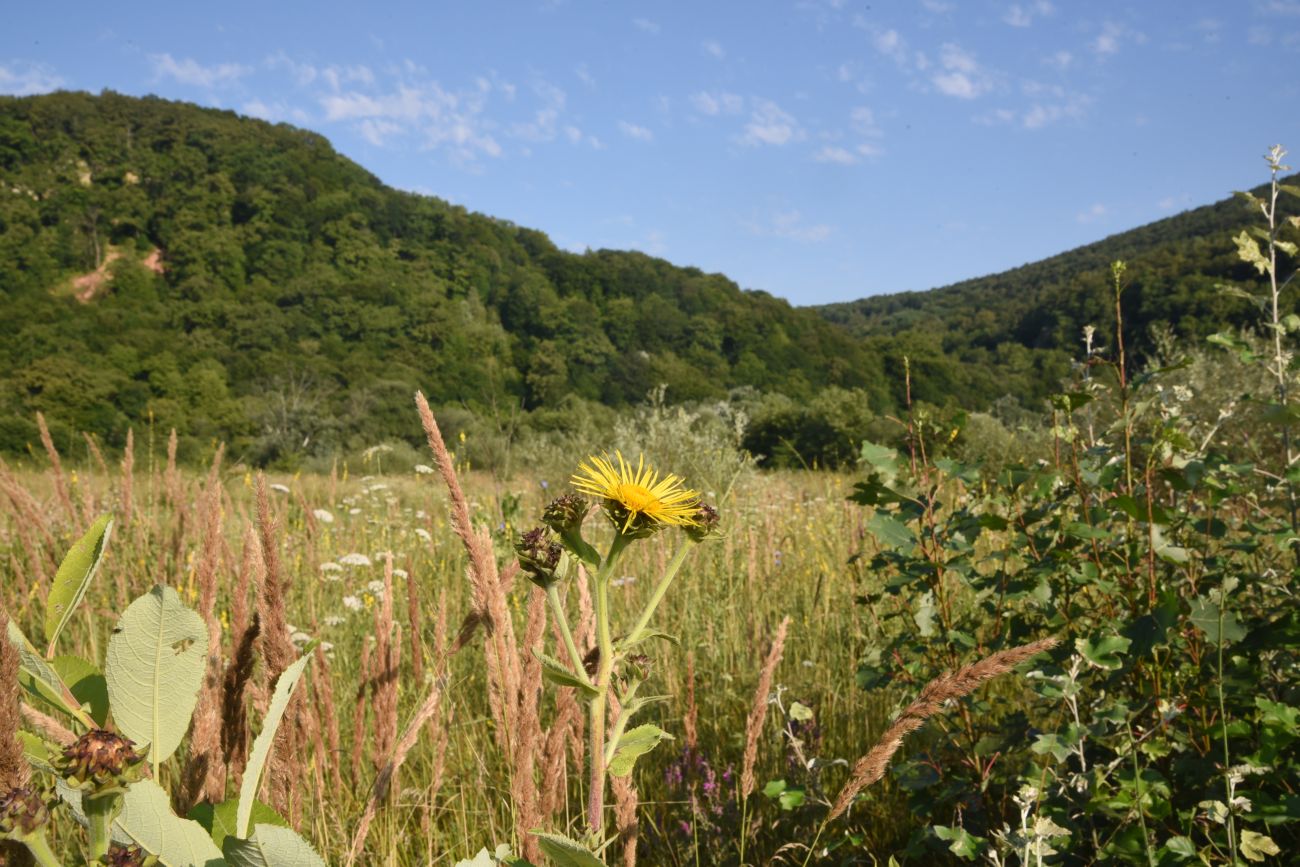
pixel 1207 617
pixel 561 675
pixel 565 852
pixel 961 842
pixel 1256 846
pixel 632 745
pixel 1103 651
pixel 40 681
pixel 889 531
pixel 284 689
pixel 220 820
pixel 154 667
pixel 72 579
pixel 271 846
pixel 147 819
pixel 86 683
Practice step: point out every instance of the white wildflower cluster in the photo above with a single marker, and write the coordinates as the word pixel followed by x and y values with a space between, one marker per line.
pixel 325 516
pixel 279 488
pixel 355 559
pixel 423 470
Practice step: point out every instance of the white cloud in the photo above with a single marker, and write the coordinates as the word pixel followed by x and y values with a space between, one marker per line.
pixel 1023 15
pixel 1286 8
pixel 544 125
pixel 891 44
pixel 959 75
pixel 835 154
pixel 790 225
pixel 1169 203
pixel 863 122
pixel 1060 60
pixel 190 71
pixel 584 75
pixel 1092 214
pixel 713 104
pixel 770 125
pixel 634 131
pixel 274 112
pixel 714 48
pixel 26 79
pixel 1112 36
pixel 450 120
pixel 645 24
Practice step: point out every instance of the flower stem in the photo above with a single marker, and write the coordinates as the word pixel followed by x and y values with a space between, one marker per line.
pixel 100 812
pixel 605 643
pixel 660 589
pixel 39 846
pixel 557 611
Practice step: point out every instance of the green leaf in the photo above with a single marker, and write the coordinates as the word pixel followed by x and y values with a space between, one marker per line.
pixel 38 752
pixel 647 634
pixel 961 843
pixel 154 667
pixel 1248 252
pixel 924 614
pixel 565 852
pixel 72 579
pixel 882 459
pixel 220 820
pixel 86 683
pixel 632 745
pixel 560 674
pixel 1256 846
pixel 40 681
pixel 800 712
pixel 774 788
pixel 1205 616
pixel 1165 551
pixel 284 688
pixel 791 798
pixel 147 818
pixel 1183 847
pixel 271 846
pixel 1103 651
pixel 1051 744
pixel 890 532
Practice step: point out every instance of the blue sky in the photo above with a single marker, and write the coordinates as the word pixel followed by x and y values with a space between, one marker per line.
pixel 821 150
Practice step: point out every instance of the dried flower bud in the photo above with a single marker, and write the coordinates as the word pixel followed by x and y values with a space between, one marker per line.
pixel 565 514
pixel 100 762
pixel 22 812
pixel 128 856
pixel 706 523
pixel 539 556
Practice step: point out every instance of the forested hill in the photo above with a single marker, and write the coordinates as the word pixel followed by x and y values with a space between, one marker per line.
pixel 1174 269
pixel 237 279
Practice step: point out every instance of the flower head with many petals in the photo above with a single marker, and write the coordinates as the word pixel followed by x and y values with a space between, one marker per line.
pixel 637 500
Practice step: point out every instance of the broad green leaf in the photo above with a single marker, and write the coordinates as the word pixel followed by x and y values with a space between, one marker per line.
pixel 1050 743
pixel 564 852
pixel 219 820
pixel 72 799
pixel 791 798
pixel 502 855
pixel 1165 551
pixel 773 788
pixel 561 675
pixel 39 753
pixel 1183 847
pixel 40 681
pixel 284 688
pixel 1256 846
pixel 147 818
pixel 271 846
pixel 1103 651
pixel 72 579
pixel 86 683
pixel 634 744
pixel 800 712
pixel 961 842
pixel 1248 252
pixel 154 667
pixel 882 459
pixel 889 531
pixel 1207 617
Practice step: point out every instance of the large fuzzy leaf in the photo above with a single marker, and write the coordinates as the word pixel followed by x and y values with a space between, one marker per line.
pixel 72 579
pixel 271 846
pixel 39 680
pixel 154 667
pixel 284 688
pixel 564 852
pixel 634 744
pixel 147 818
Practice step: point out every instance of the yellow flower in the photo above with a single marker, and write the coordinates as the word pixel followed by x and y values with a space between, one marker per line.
pixel 637 500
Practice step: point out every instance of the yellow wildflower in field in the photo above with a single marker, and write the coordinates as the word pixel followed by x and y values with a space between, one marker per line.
pixel 637 500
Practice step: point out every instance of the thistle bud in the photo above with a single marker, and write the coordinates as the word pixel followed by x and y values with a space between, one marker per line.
pixel 539 556
pixel 22 812
pixel 100 762
pixel 706 523
pixel 128 856
pixel 565 514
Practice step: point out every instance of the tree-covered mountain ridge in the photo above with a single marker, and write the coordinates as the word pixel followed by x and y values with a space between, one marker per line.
pixel 240 280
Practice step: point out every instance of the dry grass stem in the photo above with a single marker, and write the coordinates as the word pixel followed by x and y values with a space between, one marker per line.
pixel 758 711
pixel 56 466
pixel 947 687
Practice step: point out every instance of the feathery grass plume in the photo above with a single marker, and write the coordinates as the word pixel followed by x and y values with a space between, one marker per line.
pixel 47 725
pixel 946 687
pixel 250 575
pixel 523 782
pixel 205 774
pixel 13 765
pixel 234 716
pixel 415 616
pixel 32 549
pixel 96 454
pixel 365 683
pixel 323 691
pixel 489 591
pixel 285 765
pixel 690 732
pixel 128 478
pixel 568 711
pixel 758 711
pixel 60 481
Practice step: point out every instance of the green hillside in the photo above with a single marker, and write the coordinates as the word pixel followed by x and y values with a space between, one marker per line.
pixel 989 325
pixel 301 301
